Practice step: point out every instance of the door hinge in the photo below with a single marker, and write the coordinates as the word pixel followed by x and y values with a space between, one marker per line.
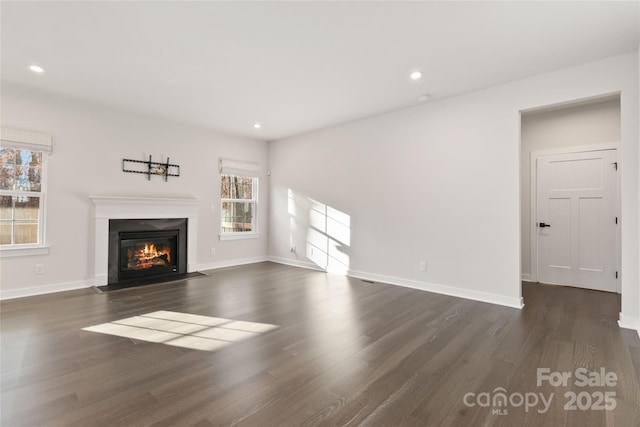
pixel 615 165
pixel 616 220
pixel 616 274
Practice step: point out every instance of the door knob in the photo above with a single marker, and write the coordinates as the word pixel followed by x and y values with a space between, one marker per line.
pixel 543 225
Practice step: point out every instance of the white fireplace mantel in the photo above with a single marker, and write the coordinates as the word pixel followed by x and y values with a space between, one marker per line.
pixel 113 207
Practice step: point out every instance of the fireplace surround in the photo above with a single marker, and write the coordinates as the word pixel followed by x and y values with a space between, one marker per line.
pixel 141 248
pixel 108 208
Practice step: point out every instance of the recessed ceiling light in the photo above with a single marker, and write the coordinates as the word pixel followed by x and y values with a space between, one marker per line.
pixel 416 75
pixel 36 68
pixel 257 125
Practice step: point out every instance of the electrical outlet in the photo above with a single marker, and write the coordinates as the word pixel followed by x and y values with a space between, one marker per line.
pixel 39 269
pixel 293 248
pixel 310 251
pixel 422 266
pixel 213 251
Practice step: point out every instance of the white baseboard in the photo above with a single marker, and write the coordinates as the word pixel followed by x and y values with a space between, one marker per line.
pixel 441 289
pixel 526 277
pixel 414 284
pixel 296 263
pixel 629 323
pixel 45 289
pixel 100 279
pixel 231 263
pixel 68 286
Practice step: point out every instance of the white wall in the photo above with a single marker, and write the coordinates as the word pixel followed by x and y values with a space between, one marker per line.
pixel 89 143
pixel 637 318
pixel 441 183
pixel 590 124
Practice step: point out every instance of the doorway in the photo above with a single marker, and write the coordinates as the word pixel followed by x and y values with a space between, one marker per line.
pixel 569 156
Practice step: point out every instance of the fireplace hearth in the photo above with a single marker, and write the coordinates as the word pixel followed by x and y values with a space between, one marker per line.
pixel 146 248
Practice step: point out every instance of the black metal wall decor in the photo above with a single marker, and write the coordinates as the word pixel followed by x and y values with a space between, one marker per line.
pixel 150 168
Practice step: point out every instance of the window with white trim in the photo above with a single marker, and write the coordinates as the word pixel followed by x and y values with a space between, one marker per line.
pixel 23 156
pixel 238 199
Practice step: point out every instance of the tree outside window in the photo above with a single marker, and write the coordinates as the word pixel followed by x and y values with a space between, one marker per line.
pixel 21 196
pixel 238 204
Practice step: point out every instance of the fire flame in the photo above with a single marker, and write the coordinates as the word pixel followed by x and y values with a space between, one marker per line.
pixel 148 256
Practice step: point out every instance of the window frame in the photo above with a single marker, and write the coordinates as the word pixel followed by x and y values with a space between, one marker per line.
pixel 19 139
pixel 237 235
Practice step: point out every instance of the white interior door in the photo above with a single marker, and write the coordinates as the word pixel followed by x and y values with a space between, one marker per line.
pixel 576 219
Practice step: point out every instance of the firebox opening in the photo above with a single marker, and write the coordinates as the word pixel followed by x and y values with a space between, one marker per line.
pixel 147 254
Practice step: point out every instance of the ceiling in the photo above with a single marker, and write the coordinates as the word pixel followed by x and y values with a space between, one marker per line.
pixel 297 66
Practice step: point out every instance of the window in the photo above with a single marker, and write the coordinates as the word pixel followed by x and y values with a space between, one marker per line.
pixel 23 157
pixel 238 199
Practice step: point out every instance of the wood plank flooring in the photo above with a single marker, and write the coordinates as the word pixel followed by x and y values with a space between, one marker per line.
pixel 344 353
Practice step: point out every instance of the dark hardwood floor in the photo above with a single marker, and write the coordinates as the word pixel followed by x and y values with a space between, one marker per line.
pixel 344 353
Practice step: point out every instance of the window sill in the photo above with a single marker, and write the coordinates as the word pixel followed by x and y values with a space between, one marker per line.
pixel 238 236
pixel 26 250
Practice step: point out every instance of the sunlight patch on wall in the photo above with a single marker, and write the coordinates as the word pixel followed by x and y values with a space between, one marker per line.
pixel 338 226
pixel 183 329
pixel 330 233
pixel 291 203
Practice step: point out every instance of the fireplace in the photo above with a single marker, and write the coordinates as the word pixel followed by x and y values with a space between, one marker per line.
pixel 111 208
pixel 146 248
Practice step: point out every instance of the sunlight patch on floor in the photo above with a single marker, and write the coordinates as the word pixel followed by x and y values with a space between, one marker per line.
pixel 183 329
